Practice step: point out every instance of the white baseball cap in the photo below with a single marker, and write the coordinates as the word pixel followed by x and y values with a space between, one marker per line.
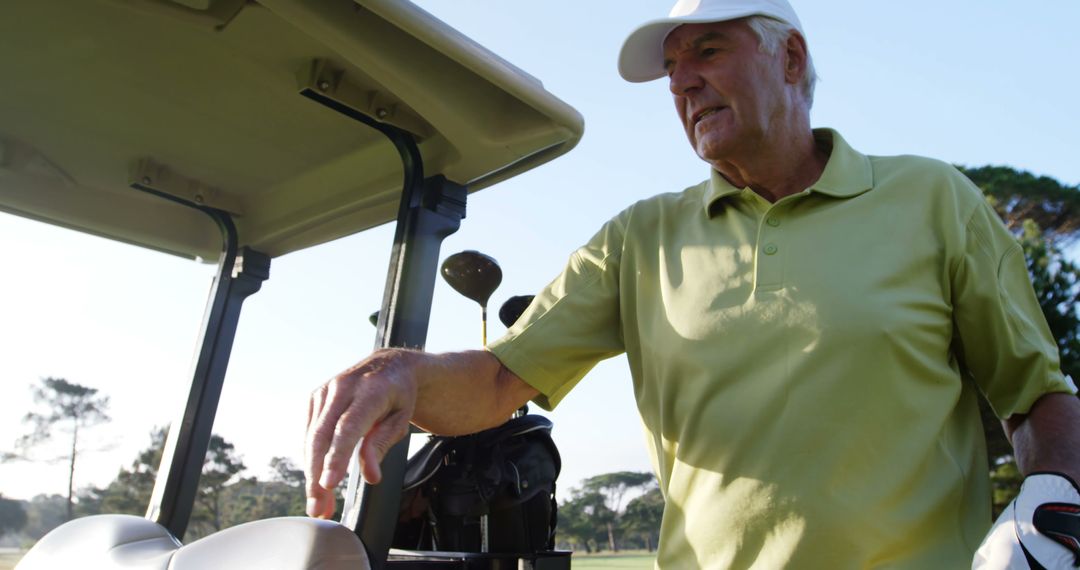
pixel 642 56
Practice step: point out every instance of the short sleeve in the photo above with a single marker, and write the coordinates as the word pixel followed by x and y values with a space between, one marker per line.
pixel 572 324
pixel 1006 344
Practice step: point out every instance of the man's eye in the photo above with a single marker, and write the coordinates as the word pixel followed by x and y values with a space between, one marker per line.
pixel 706 52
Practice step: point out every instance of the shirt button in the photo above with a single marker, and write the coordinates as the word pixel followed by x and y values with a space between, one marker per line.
pixel 771 249
pixel 774 222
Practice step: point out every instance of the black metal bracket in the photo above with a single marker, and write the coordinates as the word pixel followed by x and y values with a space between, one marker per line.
pixel 429 211
pixel 241 272
pixel 421 560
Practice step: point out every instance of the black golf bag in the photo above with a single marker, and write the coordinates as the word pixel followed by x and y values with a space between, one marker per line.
pixel 492 491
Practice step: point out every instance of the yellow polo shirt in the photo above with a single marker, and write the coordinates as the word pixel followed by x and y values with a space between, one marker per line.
pixel 797 365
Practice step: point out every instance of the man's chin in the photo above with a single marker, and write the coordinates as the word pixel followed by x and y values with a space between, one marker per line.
pixel 714 153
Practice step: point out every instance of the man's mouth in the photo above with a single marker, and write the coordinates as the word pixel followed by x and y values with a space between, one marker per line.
pixel 701 115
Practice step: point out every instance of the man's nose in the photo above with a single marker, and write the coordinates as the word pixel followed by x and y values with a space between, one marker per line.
pixel 683 79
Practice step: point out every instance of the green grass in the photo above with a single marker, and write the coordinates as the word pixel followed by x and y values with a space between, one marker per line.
pixel 9 559
pixel 633 561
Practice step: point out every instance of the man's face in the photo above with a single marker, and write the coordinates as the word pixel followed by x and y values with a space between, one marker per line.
pixel 727 92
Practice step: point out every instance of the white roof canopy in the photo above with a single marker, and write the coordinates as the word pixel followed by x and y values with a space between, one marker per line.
pixel 200 99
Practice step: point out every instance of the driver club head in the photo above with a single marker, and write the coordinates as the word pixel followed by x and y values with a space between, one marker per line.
pixel 472 274
pixel 512 309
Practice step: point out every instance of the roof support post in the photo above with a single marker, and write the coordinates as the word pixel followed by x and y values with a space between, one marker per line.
pixel 429 211
pixel 428 214
pixel 241 272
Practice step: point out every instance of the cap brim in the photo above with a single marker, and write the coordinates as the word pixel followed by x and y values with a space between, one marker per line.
pixel 641 58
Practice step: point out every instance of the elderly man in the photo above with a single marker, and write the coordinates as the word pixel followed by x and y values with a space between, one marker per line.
pixel 808 330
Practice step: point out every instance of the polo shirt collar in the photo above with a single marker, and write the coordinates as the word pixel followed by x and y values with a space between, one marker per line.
pixel 847 173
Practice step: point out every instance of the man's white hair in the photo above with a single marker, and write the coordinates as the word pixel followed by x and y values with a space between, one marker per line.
pixel 772 34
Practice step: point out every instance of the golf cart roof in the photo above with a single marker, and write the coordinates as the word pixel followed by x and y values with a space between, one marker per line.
pixel 201 100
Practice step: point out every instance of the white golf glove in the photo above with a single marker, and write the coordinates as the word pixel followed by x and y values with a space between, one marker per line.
pixel 1040 529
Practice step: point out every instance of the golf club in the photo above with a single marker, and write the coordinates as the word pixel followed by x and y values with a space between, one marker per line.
pixel 475 276
pixel 512 309
pixel 509 313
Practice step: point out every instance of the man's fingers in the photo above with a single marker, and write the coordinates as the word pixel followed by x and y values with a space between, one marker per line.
pixel 371 402
pixel 327 405
pixel 321 502
pixel 351 425
pixel 315 403
pixel 369 463
pixel 378 442
pixel 312 467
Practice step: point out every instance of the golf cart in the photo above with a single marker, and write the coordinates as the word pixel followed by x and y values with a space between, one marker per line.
pixel 241 131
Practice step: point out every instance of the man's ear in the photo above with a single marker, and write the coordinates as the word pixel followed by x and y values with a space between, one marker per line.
pixel 797 58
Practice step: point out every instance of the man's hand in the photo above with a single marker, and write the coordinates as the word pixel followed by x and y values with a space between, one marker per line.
pixel 448 394
pixel 1039 529
pixel 372 401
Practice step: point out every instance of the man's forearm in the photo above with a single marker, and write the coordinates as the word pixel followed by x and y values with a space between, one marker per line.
pixel 465 392
pixel 1047 438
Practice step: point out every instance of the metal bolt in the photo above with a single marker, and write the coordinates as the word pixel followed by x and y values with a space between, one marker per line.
pixel 146 180
pixel 381 112
pixel 324 85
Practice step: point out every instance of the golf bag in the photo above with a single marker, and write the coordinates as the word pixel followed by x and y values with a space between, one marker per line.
pixel 492 491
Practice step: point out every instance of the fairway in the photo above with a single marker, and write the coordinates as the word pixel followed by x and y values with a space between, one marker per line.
pixel 8 559
pixel 614 561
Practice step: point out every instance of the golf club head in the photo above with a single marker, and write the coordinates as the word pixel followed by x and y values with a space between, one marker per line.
pixel 472 274
pixel 512 309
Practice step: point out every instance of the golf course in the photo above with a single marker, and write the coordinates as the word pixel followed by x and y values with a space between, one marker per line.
pixel 8 558
pixel 622 561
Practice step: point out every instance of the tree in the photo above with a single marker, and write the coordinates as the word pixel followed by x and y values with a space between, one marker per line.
pixel 130 492
pixel 1018 196
pixel 12 516
pixel 581 519
pixel 1056 281
pixel 44 513
pixel 643 516
pixel 72 407
pixel 613 488
pixel 291 481
pixel 244 500
pixel 285 471
pixel 250 499
pixel 223 499
pixel 220 466
pixel 1005 480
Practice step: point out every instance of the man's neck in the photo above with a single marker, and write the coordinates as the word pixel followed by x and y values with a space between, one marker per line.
pixel 780 169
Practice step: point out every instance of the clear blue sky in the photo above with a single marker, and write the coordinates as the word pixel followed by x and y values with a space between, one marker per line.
pixel 987 82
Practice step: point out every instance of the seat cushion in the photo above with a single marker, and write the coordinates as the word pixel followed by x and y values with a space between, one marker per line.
pixel 124 542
